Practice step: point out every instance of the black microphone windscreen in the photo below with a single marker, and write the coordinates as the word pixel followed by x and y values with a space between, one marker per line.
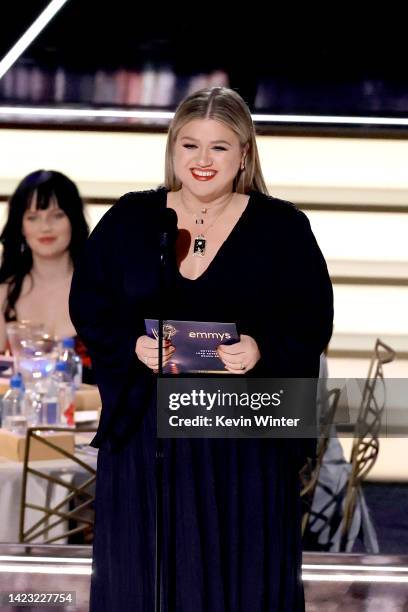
pixel 169 224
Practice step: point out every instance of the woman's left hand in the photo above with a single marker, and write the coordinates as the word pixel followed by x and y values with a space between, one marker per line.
pixel 240 357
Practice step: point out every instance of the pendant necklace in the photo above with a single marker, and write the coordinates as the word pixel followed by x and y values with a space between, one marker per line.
pixel 200 241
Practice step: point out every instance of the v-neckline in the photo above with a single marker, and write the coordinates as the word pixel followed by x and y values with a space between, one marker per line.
pixel 222 246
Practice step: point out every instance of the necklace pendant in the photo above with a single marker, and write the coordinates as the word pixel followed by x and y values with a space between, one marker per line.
pixel 199 246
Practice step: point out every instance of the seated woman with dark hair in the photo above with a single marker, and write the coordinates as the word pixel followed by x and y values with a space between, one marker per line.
pixel 42 238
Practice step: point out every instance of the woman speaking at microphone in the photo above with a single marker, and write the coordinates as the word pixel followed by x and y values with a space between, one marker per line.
pixel 231 509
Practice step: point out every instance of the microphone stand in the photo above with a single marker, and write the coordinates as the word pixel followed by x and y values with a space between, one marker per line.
pixel 159 442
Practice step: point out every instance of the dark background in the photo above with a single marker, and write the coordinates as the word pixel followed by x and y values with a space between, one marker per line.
pixel 282 60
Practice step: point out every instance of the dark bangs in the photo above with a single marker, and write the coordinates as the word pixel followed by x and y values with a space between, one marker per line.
pixel 45 186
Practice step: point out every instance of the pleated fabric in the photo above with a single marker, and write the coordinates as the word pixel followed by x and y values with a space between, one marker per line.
pixel 231 527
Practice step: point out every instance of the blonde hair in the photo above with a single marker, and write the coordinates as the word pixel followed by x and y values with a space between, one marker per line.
pixel 227 107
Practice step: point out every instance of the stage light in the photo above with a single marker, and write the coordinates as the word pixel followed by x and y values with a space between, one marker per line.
pixel 80 113
pixel 29 35
pixel 110 113
pixel 29 568
pixel 352 578
pixel 27 559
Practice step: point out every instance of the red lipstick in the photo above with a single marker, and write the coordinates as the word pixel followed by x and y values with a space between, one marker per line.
pixel 203 175
pixel 47 239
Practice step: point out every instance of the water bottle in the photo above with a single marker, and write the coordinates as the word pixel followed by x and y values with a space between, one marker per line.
pixel 51 414
pixel 73 371
pixel 62 390
pixel 13 414
pixel 33 405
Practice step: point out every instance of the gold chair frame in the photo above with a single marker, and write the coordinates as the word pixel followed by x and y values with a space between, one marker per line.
pixel 309 474
pixel 43 526
pixel 366 443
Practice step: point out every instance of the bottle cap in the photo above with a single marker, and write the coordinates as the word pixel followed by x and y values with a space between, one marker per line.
pixel 15 381
pixel 68 343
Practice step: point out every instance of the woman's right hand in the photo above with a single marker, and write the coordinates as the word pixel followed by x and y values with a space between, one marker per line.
pixel 147 350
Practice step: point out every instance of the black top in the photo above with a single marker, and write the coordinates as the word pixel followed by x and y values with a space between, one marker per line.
pixel 231 508
pixel 269 277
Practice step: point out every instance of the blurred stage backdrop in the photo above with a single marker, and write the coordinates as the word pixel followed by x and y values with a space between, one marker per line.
pixel 93 94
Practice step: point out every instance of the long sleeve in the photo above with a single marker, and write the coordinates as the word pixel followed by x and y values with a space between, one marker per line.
pixel 109 323
pixel 300 330
pixel 295 320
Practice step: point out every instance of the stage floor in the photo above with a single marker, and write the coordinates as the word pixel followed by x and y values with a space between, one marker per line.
pixel 333 583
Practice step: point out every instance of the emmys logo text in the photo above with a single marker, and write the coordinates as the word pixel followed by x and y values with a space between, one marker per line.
pixel 210 335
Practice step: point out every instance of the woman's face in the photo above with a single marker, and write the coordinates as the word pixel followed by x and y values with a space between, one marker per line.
pixel 47 232
pixel 207 156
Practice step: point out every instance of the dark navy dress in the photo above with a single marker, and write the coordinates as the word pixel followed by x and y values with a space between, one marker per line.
pixel 231 508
